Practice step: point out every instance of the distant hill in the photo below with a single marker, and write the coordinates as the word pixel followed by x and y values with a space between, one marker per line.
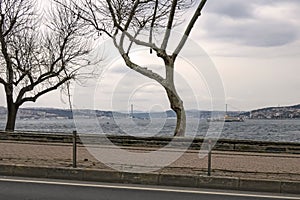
pixel 38 113
pixel 282 112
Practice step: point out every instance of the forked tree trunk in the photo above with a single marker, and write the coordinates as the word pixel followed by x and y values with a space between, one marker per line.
pixel 175 101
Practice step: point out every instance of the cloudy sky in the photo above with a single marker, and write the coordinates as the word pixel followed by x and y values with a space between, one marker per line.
pixel 253 45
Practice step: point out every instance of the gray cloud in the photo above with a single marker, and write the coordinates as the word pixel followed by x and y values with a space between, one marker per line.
pixel 232 8
pixel 253 33
pixel 242 8
pixel 263 23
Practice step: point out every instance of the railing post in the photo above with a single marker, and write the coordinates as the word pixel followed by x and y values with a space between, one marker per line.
pixel 209 158
pixel 74 149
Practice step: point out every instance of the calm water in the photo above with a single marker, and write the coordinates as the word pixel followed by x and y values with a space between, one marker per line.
pixel 263 130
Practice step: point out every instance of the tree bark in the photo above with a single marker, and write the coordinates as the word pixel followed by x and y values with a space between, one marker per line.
pixel 12 111
pixel 175 100
pixel 177 106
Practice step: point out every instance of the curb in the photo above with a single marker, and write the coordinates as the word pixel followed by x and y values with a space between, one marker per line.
pixel 231 183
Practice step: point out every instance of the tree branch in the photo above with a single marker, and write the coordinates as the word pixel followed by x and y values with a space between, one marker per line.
pixel 131 38
pixel 20 78
pixel 131 15
pixel 12 24
pixel 169 25
pixel 7 60
pixel 2 81
pixel 131 43
pixel 189 28
pixel 92 21
pixel 35 97
pixel 152 23
pixel 137 68
pixel 144 71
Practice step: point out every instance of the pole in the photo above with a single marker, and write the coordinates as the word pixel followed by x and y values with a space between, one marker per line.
pixel 74 149
pixel 209 158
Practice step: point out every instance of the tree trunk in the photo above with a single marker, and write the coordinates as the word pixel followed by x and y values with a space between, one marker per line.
pixel 177 106
pixel 12 110
pixel 175 101
pixel 11 118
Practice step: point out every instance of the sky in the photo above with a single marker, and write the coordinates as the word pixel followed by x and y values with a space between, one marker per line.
pixel 253 46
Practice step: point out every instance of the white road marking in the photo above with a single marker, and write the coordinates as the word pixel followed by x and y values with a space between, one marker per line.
pixel 146 189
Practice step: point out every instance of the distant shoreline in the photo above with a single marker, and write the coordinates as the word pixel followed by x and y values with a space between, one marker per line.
pixel 288 112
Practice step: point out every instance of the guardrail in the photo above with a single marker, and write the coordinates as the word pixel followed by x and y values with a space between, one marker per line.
pixel 157 142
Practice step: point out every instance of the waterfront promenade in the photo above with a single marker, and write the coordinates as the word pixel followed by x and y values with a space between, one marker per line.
pixel 269 166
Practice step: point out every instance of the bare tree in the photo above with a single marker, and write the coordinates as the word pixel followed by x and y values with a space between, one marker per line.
pixel 125 21
pixel 37 55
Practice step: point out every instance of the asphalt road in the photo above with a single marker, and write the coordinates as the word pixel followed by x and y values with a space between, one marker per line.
pixel 32 189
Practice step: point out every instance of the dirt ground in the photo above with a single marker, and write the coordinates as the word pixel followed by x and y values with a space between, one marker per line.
pixel 231 164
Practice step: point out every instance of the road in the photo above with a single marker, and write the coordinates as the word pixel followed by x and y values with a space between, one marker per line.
pixel 37 189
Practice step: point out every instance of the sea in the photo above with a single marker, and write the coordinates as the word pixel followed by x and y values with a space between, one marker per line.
pixel 287 130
